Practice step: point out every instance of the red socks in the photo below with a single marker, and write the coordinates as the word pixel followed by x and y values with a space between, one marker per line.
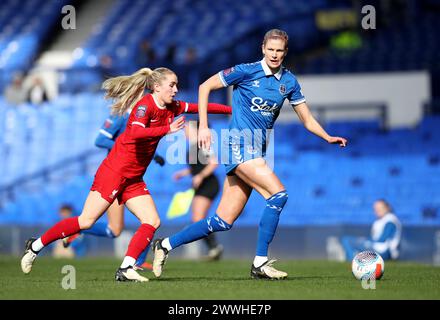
pixel 140 240
pixel 62 229
pixel 69 226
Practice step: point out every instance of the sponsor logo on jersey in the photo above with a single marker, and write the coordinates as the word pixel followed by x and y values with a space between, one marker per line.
pixel 259 104
pixel 282 89
pixel 141 111
pixel 228 71
pixel 256 83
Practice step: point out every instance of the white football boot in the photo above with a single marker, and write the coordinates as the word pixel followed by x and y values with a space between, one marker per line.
pixel 28 257
pixel 129 274
pixel 160 257
pixel 267 271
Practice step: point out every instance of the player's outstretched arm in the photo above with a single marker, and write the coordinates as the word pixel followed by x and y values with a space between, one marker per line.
pixel 214 108
pixel 213 83
pixel 139 132
pixel 309 121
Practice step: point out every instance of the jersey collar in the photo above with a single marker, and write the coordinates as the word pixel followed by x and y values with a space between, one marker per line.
pixel 268 72
pixel 157 103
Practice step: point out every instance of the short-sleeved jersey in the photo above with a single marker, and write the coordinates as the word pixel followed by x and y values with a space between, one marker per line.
pixel 258 95
pixel 147 124
pixel 113 126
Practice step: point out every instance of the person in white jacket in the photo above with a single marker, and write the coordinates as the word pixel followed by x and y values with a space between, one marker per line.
pixel 385 235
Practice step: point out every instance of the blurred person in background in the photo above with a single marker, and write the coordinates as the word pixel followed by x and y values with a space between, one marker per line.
pixel 147 54
pixel 170 54
pixel 190 55
pixel 106 67
pixel 14 93
pixel 120 175
pixel 260 89
pixel 37 92
pixel 385 235
pixel 206 185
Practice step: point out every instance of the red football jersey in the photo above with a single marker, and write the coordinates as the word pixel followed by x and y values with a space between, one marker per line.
pixel 135 147
pixel 148 123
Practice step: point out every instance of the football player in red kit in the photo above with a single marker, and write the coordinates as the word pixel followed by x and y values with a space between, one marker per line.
pixel 120 175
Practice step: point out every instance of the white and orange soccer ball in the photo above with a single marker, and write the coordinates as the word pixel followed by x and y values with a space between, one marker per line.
pixel 368 265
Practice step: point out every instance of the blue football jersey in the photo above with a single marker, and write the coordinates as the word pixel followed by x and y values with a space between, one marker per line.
pixel 113 126
pixel 258 96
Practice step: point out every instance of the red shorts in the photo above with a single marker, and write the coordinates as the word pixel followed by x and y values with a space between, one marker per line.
pixel 111 185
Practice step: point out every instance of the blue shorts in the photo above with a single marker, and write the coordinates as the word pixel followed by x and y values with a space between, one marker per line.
pixel 235 154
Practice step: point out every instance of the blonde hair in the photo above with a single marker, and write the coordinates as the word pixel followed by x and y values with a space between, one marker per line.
pixel 276 34
pixel 128 90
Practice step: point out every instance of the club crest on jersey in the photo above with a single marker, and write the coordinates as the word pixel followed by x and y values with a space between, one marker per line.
pixel 228 71
pixel 141 111
pixel 108 123
pixel 282 89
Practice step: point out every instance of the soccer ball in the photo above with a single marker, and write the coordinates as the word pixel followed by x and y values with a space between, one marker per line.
pixel 367 265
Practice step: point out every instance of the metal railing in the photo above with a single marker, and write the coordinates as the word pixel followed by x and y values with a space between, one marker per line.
pixel 8 191
pixel 381 109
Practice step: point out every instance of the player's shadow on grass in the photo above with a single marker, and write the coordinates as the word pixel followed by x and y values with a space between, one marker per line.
pixel 247 278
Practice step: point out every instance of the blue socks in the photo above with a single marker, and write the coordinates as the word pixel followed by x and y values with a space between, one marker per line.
pixel 100 229
pixel 266 231
pixel 199 230
pixel 269 221
pixel 141 259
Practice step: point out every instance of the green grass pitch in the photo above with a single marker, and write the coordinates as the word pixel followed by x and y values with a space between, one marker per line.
pixel 226 279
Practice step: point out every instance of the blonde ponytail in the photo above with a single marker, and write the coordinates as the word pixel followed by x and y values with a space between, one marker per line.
pixel 127 90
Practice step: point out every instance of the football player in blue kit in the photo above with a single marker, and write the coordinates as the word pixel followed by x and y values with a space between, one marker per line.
pixel 113 126
pixel 259 90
